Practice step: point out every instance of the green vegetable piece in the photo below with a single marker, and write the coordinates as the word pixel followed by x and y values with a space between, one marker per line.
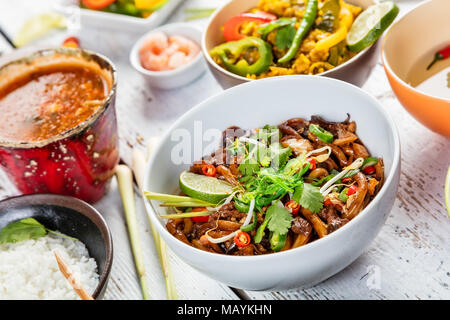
pixel 370 161
pixel 321 133
pixel 230 53
pixel 241 207
pixel 343 195
pixel 280 221
pixel 330 15
pixel 265 29
pixel 279 155
pixel 285 36
pixel 309 196
pixel 25 229
pixel 305 25
pixel 277 241
pixel 252 225
pixel 249 166
pixel 260 232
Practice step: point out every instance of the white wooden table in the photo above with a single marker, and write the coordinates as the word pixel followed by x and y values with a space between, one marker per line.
pixel 410 258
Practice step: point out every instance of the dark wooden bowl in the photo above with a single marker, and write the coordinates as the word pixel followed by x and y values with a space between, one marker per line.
pixel 70 216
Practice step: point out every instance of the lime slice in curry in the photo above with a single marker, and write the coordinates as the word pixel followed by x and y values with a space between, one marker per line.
pixel 204 188
pixel 447 191
pixel 370 25
pixel 37 26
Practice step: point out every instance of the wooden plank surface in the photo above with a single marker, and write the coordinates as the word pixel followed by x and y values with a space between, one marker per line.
pixel 408 260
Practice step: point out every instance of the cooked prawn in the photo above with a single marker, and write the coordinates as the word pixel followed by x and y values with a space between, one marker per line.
pixel 160 52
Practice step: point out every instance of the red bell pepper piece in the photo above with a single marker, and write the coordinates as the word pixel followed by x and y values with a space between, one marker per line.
pixel 200 218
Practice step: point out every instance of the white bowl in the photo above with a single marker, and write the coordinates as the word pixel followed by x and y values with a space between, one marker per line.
pixel 271 101
pixel 172 78
pixel 116 21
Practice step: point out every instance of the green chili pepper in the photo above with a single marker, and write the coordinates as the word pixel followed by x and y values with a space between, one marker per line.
pixel 370 161
pixel 277 241
pixel 260 232
pixel 251 226
pixel 321 133
pixel 305 25
pixel 230 53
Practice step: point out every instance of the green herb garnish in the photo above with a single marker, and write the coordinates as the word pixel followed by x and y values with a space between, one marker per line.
pixel 26 229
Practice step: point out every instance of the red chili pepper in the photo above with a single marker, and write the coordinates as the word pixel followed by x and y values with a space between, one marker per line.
pixel 292 206
pixel 232 27
pixel 313 163
pixel 440 55
pixel 242 239
pixel 352 190
pixel 328 202
pixel 200 218
pixel 346 180
pixel 71 42
pixel 209 170
pixel 369 170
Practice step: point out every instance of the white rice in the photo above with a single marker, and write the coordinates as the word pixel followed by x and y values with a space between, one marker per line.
pixel 28 269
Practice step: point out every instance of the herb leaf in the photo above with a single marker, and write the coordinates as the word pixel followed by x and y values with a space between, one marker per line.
pixel 285 36
pixel 25 229
pixel 309 197
pixel 280 221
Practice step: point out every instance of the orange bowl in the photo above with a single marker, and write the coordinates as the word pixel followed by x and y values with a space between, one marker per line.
pixel 410 45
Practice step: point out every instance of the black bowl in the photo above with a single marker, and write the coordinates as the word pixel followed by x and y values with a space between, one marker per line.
pixel 70 216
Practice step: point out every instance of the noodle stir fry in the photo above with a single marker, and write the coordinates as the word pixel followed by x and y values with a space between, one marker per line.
pixel 288 185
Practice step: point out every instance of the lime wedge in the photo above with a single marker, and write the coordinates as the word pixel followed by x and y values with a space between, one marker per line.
pixel 370 25
pixel 39 25
pixel 205 188
pixel 447 191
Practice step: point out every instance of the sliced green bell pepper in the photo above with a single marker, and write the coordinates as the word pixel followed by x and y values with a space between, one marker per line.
pixel 277 241
pixel 230 53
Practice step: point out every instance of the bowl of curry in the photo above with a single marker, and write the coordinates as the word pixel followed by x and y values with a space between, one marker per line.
pixel 59 133
pixel 266 28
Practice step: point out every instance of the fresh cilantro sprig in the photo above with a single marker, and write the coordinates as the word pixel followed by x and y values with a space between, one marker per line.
pixel 309 196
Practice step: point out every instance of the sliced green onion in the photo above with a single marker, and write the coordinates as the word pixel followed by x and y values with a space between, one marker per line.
pixel 321 133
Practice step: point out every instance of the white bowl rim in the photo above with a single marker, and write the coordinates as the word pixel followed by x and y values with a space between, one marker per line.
pixel 318 242
pixel 172 27
pixel 385 61
pixel 238 77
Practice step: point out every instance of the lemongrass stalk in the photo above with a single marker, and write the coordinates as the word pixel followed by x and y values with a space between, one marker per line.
pixel 187 215
pixel 173 198
pixel 125 181
pixel 139 170
pixel 186 204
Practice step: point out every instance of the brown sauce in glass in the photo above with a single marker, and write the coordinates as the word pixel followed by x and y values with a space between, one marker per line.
pixel 49 102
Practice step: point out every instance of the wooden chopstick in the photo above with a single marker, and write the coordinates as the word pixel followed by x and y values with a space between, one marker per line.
pixel 76 285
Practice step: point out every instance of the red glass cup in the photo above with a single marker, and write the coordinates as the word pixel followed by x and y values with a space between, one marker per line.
pixel 78 162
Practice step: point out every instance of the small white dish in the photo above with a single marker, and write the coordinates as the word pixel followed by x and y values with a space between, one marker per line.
pixel 101 19
pixel 172 78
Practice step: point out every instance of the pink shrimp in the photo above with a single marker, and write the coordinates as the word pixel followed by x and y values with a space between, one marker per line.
pixel 153 53
pixel 188 47
pixel 162 53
